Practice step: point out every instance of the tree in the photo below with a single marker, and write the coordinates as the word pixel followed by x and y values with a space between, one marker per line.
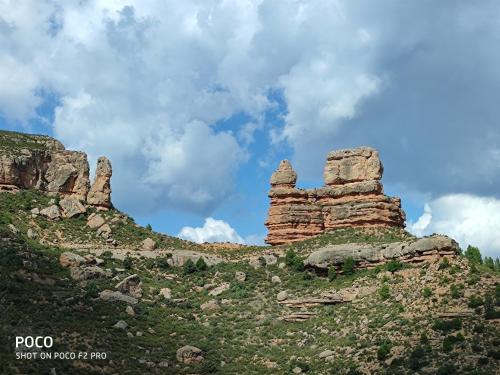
pixel 473 255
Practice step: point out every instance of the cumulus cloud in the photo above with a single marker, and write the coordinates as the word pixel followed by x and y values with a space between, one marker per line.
pixel 469 219
pixel 212 231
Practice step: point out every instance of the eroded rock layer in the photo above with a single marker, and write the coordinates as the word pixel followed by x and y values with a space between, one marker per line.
pixel 42 163
pixel 352 197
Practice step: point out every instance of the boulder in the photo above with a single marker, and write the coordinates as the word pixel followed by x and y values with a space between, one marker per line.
pixel 121 324
pixel 51 212
pixel 100 191
pixel 88 273
pixel 211 305
pixel 131 285
pixel 276 280
pixel 166 293
pixel 95 221
pixel 189 355
pixel 148 244
pixel 113 296
pixel 68 259
pixel 71 207
pixel 219 290
pixel 283 295
pixel 240 276
pixel 104 230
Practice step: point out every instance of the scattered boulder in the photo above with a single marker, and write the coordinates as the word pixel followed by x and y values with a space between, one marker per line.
pixel 104 230
pixel 255 263
pixel 189 355
pixel 276 280
pixel 131 285
pixel 240 276
pixel 88 273
pixel 68 259
pixel 211 305
pixel 113 296
pixel 51 212
pixel 13 229
pixel 326 353
pixel 95 221
pixel 219 290
pixel 148 244
pixel 71 207
pixel 283 295
pixel 166 293
pixel 121 324
pixel 270 260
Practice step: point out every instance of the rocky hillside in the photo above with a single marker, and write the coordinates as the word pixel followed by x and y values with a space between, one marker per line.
pixel 373 300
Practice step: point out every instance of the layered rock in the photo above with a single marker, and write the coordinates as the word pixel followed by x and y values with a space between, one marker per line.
pixel 40 162
pixel 100 191
pixel 352 197
pixel 371 255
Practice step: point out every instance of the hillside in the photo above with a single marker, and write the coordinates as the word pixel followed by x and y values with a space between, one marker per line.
pixel 373 300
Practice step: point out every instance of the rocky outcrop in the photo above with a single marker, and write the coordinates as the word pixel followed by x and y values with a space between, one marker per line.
pixel 40 162
pixel 352 197
pixel 100 191
pixel 371 255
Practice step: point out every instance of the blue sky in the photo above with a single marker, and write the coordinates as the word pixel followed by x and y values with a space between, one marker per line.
pixel 195 103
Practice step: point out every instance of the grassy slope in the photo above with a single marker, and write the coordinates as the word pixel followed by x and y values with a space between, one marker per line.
pixel 245 336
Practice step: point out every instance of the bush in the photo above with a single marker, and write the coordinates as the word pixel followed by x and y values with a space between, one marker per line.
pixel 393 266
pixel 384 292
pixel 201 265
pixel 384 350
pixel 189 267
pixel 91 290
pixel 447 325
pixel 456 291
pixel 149 227
pixel 445 263
pixel 294 261
pixel 162 263
pixel 332 273
pixel 473 255
pixel 475 301
pixel 427 292
pixel 127 263
pixel 417 358
pixel 489 308
pixel 446 369
pixel 348 266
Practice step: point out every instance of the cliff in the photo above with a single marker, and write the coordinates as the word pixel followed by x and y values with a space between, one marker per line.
pixel 352 197
pixel 42 163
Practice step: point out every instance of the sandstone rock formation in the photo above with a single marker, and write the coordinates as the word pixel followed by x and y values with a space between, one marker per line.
pixel 371 255
pixel 352 197
pixel 100 191
pixel 40 162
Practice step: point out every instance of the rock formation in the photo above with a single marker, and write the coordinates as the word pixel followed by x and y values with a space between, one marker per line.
pixel 40 162
pixel 352 197
pixel 100 192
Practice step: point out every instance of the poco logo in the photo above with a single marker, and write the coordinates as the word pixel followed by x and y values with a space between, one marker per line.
pixel 37 342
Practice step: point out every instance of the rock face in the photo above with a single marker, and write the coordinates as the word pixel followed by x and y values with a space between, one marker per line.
pixel 40 162
pixel 372 255
pixel 100 191
pixel 352 197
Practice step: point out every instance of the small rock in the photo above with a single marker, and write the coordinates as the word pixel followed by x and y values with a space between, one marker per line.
pixel 35 211
pixel 166 293
pixel 31 234
pixel 281 266
pixel 148 244
pixel 130 310
pixel 210 306
pixel 189 354
pixel 112 296
pixel 68 259
pixel 283 295
pixel 13 229
pixel 131 285
pixel 399 297
pixel 104 230
pixel 297 370
pixel 139 333
pixel 255 263
pixel 219 290
pixel 270 260
pixel 151 331
pixel 240 276
pixel 51 212
pixel 276 280
pixel 95 221
pixel 121 324
pixel 326 353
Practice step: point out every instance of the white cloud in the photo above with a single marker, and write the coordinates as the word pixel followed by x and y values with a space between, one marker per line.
pixel 469 219
pixel 212 231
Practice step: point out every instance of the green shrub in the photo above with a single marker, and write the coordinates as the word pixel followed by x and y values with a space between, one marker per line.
pixel 189 267
pixel 447 325
pixel 473 255
pixel 417 358
pixel 489 309
pixel 162 263
pixel 332 273
pixel 475 301
pixel 128 263
pixel 456 291
pixel 91 290
pixel 149 227
pixel 384 292
pixel 348 266
pixel 427 292
pixel 445 263
pixel 446 369
pixel 393 266
pixel 384 350
pixel 201 265
pixel 294 261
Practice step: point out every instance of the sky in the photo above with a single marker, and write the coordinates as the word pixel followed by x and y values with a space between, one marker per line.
pixel 196 102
